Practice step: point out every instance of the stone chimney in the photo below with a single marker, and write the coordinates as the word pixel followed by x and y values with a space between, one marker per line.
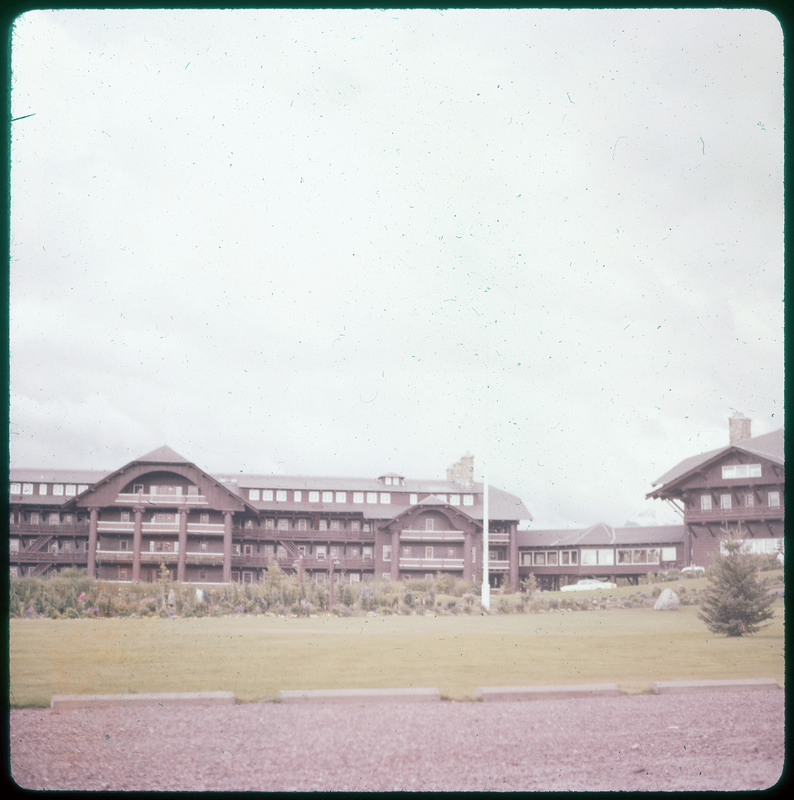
pixel 739 427
pixel 462 472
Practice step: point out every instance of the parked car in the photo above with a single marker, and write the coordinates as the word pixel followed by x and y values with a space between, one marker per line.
pixel 588 583
pixel 696 572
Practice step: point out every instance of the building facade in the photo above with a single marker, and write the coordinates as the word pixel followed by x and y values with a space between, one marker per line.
pixel 162 509
pixel 738 488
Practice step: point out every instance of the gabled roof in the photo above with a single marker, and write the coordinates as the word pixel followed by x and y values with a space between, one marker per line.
pixel 162 455
pixel 768 446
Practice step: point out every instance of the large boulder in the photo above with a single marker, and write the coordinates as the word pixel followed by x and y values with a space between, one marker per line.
pixel 667 601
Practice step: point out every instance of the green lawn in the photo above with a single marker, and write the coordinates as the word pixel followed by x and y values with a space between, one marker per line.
pixel 256 656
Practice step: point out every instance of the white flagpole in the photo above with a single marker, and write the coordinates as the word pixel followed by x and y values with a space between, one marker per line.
pixel 486 586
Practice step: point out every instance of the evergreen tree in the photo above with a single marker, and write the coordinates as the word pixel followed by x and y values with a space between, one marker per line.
pixel 736 601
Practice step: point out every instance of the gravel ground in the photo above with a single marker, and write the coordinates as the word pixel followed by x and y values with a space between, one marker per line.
pixel 713 740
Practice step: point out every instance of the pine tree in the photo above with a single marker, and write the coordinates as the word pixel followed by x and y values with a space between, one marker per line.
pixel 736 601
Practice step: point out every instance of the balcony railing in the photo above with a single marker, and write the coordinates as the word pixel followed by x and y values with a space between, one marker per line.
pixel 79 529
pixel 409 535
pixel 302 535
pixel 737 513
pixel 498 538
pixel 130 499
pixel 47 556
pixel 431 564
pixel 496 565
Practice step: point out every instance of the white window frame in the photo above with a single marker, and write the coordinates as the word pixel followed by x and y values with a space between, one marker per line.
pixel 387 552
pixel 774 499
pixel 42 488
pixel 372 497
pixel 358 497
pixel 340 497
pixel 726 501
pixel 705 502
pixel 314 496
pixel 27 488
pixel 267 495
pixel 413 499
pixel 16 488
pixel 454 499
pixel 385 498
pixel 253 494
pixel 297 496
pixel 281 495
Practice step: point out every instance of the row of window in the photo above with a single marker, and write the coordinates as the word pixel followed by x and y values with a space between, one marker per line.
pixel 56 489
pixel 731 471
pixel 384 498
pixel 598 556
pixel 726 500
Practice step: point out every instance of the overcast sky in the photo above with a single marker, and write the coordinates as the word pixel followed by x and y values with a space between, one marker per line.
pixel 329 242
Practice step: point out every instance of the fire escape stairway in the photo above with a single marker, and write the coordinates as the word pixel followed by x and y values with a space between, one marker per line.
pixel 39 543
pixel 291 548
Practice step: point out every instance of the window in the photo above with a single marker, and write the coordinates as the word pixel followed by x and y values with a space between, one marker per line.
pixel 57 489
pixel 248 549
pixel 124 544
pixel 569 557
pixel 774 499
pixel 297 495
pixel 71 489
pixel 281 496
pixel 16 488
pixel 82 488
pixel 407 550
pixel 281 551
pixel 192 491
pixel 35 518
pixel 154 490
pixel 42 488
pixel 731 471
pixel 601 556
pixel 314 497
pixel 122 573
pixel 705 502
pixel 387 552
pixel 328 497
pixel 334 524
pixel 68 519
pixel 668 554
pixel 725 501
pixel 551 557
pixel 27 488
pixel 341 497
pixel 372 497
pixel 320 552
pixel 204 519
pixel 749 499
pixel 269 550
pixel 302 525
pixel 270 523
pixel 468 499
pixel 366 553
pixel 267 495
pixel 413 499
pixel 137 488
pixel 539 559
pixel 429 551
pixel 125 516
pixel 358 497
pixel 333 551
pixel 454 499
pixel 52 518
pixel 323 524
pixel 430 524
pixel 283 524
pixel 355 525
pixel 253 494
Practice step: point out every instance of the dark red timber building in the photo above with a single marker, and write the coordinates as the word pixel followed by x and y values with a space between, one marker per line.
pixel 161 509
pixel 739 487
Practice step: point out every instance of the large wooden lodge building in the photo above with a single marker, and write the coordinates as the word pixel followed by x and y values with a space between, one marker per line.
pixel 161 509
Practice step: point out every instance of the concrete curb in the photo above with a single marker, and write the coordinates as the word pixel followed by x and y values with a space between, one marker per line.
pixel 738 685
pixel 347 695
pixel 62 701
pixel 547 692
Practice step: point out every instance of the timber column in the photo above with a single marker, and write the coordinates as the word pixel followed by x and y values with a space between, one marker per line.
pixel 181 560
pixel 137 537
pixel 395 554
pixel 92 540
pixel 468 572
pixel 227 546
pixel 512 554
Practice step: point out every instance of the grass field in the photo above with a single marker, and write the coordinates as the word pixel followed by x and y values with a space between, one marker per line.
pixel 256 656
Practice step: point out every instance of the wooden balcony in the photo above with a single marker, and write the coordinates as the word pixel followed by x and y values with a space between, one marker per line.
pixel 162 500
pixel 498 565
pixel 294 534
pixel 431 564
pixel 735 514
pixel 410 535
pixel 498 538
pixel 22 528
pixel 79 557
